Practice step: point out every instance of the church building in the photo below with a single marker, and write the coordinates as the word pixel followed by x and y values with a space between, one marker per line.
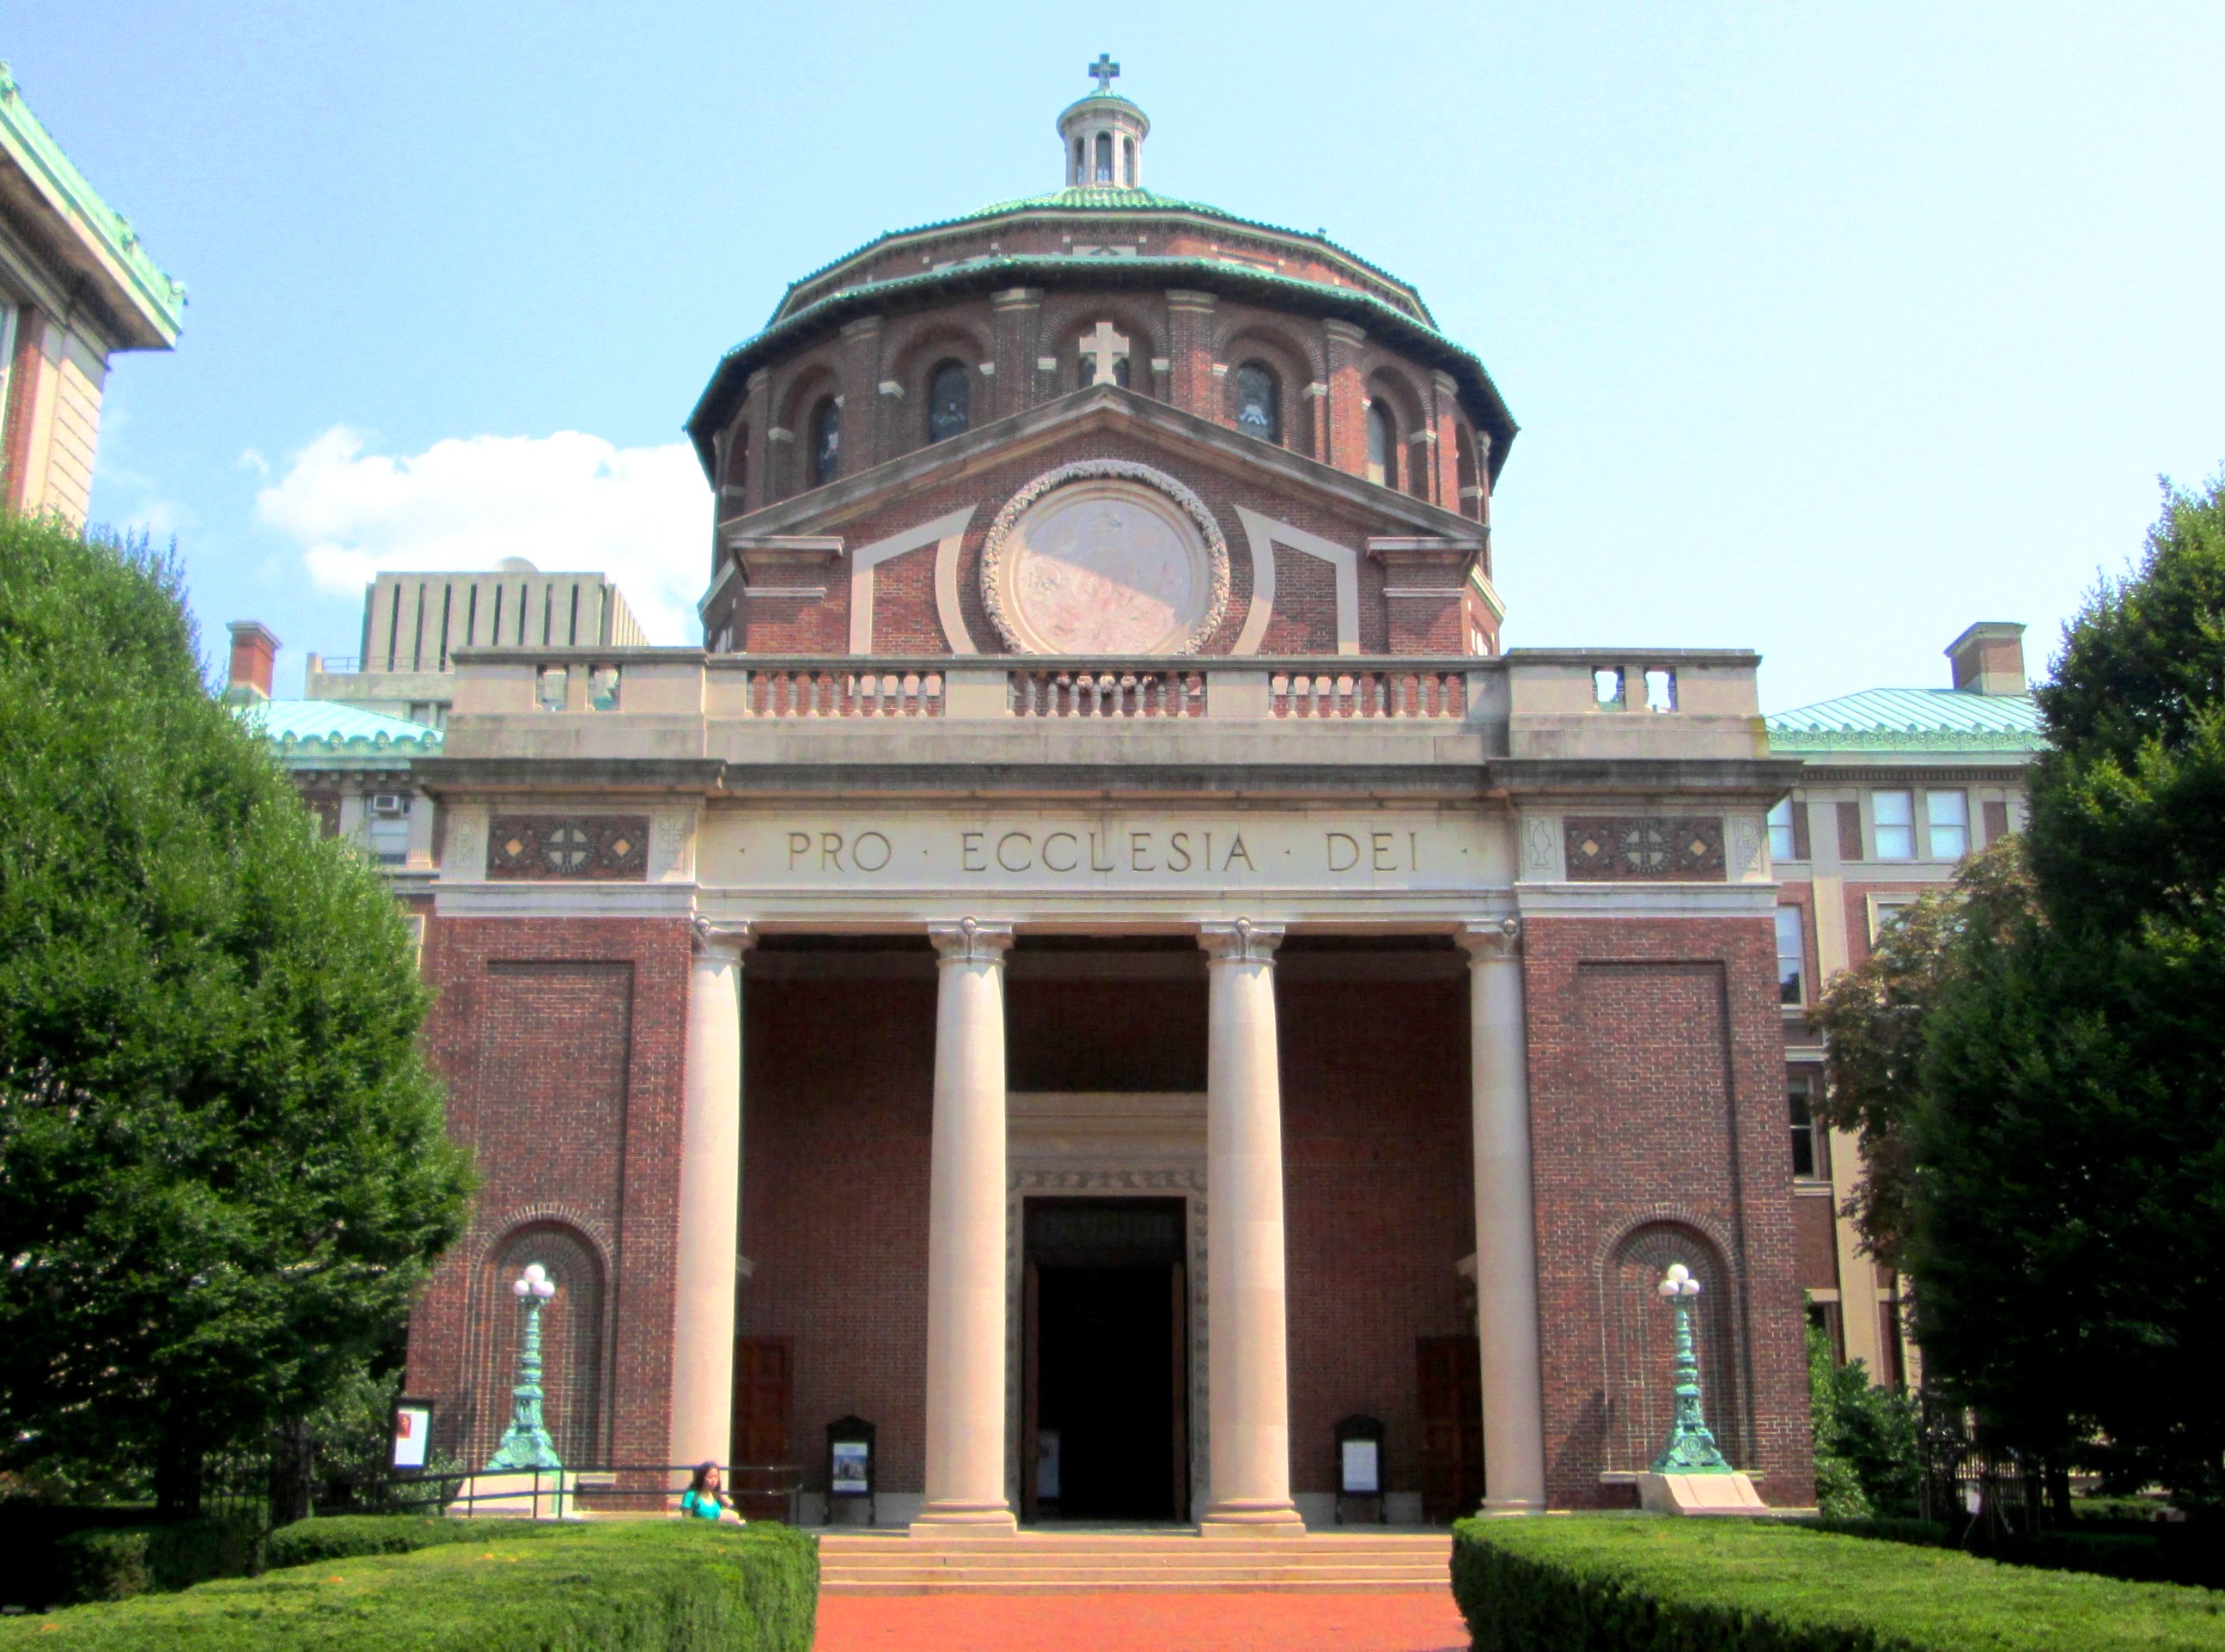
pixel 1102 967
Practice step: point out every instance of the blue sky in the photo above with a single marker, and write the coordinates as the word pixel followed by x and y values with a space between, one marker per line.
pixel 1831 328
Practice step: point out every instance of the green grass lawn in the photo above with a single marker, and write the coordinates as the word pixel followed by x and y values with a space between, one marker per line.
pixel 1613 1583
pixel 673 1586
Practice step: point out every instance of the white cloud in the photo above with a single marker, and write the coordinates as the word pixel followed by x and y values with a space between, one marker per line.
pixel 569 503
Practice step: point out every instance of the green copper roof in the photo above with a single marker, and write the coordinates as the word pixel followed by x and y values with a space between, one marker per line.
pixel 1909 720
pixel 1100 198
pixel 825 314
pixel 313 728
pixel 160 300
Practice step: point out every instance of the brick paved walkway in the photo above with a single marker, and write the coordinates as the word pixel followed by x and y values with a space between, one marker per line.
pixel 1141 1623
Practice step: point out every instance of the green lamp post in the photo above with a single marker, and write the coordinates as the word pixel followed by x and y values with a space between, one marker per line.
pixel 525 1443
pixel 1691 1449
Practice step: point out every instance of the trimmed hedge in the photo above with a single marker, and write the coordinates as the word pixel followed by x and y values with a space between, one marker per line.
pixel 1621 1583
pixel 338 1537
pixel 673 1585
pixel 118 1562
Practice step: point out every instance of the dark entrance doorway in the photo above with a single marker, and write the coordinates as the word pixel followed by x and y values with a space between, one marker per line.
pixel 1105 1423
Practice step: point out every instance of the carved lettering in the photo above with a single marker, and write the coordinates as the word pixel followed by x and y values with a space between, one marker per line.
pixel 1096 865
pixel 830 851
pixel 799 845
pixel 972 851
pixel 1027 851
pixel 1140 846
pixel 1343 851
pixel 883 853
pixel 1379 844
pixel 1073 861
pixel 1236 850
pixel 1178 844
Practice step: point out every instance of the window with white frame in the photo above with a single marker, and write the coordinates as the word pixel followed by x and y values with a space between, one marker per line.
pixel 1892 819
pixel 1946 817
pixel 1886 911
pixel 1791 956
pixel 1810 1159
pixel 1780 830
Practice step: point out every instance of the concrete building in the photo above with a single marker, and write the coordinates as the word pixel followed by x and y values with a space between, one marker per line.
pixel 414 623
pixel 1896 786
pixel 76 288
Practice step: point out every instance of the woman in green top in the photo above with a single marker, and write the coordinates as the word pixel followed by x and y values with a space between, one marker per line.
pixel 703 1500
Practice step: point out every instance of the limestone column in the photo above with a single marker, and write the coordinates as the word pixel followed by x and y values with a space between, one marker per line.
pixel 966 1239
pixel 1505 1223
pixel 710 1200
pixel 1248 1365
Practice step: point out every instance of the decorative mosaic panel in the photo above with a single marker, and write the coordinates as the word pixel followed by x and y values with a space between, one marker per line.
pixel 1644 848
pixel 607 847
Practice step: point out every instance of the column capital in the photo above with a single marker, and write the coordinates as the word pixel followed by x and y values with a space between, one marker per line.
pixel 722 940
pixel 1241 941
pixel 971 942
pixel 1490 943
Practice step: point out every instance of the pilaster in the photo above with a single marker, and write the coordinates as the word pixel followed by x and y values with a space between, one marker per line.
pixel 1189 349
pixel 1347 397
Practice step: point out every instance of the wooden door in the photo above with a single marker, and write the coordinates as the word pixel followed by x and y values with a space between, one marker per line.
pixel 762 1387
pixel 1450 1382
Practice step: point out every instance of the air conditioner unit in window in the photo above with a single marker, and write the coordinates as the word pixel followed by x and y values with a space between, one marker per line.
pixel 388 803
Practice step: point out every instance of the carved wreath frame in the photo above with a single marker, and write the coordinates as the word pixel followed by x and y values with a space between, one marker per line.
pixel 1089 470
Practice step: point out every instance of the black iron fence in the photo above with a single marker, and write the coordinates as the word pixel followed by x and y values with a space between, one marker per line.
pixel 246 1485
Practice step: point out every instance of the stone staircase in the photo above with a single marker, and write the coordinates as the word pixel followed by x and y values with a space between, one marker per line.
pixel 1052 1562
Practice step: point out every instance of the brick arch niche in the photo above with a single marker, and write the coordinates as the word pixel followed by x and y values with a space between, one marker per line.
pixel 573 1378
pixel 1640 1345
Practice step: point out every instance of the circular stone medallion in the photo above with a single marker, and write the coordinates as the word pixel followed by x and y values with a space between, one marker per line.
pixel 1105 557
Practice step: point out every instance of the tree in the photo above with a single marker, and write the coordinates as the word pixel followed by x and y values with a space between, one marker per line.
pixel 1875 1019
pixel 223 1169
pixel 1866 1456
pixel 2068 1240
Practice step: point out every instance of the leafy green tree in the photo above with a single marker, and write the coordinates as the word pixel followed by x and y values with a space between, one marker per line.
pixel 223 1169
pixel 1866 1456
pixel 2068 1242
pixel 1875 1018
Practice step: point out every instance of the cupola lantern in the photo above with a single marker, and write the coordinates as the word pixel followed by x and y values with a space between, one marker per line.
pixel 1102 136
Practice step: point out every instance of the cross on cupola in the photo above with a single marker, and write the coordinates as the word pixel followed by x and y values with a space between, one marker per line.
pixel 1102 135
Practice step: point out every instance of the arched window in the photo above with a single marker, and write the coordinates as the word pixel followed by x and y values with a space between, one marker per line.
pixel 1128 155
pixel 1382 446
pixel 1105 157
pixel 1080 163
pixel 738 462
pixel 826 441
pixel 1258 402
pixel 949 400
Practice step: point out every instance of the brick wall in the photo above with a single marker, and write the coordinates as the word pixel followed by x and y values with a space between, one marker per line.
pixel 1379 1200
pixel 839 1090
pixel 563 1042
pixel 1657 1103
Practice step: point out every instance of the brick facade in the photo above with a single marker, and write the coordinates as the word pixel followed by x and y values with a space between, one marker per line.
pixel 562 1042
pixel 1657 1100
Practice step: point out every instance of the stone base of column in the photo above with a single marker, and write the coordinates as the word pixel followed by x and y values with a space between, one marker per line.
pixel 1250 1519
pixel 950 1521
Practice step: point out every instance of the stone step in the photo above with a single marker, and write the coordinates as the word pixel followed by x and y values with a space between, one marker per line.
pixel 1037 1562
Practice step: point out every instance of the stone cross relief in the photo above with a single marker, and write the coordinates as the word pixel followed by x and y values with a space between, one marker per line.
pixel 1105 346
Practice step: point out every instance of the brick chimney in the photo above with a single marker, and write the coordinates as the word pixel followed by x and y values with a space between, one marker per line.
pixel 1988 659
pixel 254 652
